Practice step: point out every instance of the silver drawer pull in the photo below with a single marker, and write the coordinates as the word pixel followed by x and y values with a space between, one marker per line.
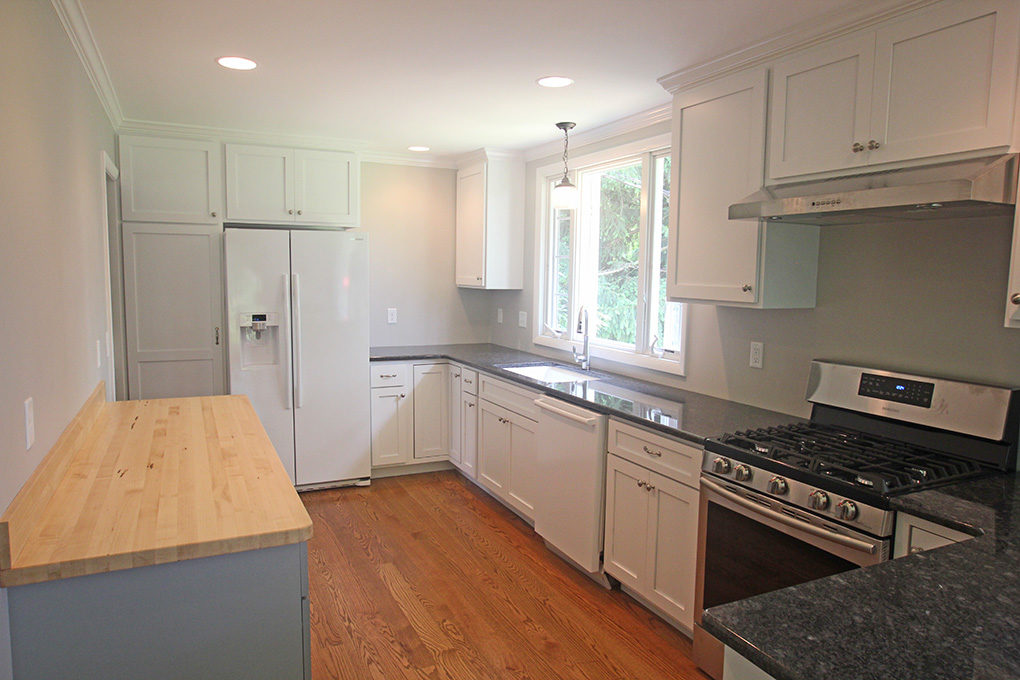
pixel 387 375
pixel 650 452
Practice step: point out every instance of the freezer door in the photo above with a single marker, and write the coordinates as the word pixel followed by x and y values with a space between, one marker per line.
pixel 258 282
pixel 329 299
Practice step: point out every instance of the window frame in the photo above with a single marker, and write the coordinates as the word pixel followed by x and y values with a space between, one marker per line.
pixel 648 150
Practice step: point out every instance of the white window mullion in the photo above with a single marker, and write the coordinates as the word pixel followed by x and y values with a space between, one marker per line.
pixel 644 317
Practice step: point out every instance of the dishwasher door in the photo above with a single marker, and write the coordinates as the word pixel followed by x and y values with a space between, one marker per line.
pixel 571 467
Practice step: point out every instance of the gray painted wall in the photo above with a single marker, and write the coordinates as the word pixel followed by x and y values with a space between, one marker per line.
pixel 409 213
pixel 51 260
pixel 919 297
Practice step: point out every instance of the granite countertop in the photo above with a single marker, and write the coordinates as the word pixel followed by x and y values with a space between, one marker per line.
pixel 949 613
pixel 675 412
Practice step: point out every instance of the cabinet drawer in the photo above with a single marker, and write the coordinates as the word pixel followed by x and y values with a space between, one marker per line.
pixel 668 457
pixel 511 397
pixel 469 381
pixel 390 375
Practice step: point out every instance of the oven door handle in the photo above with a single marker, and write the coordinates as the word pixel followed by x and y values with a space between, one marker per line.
pixel 847 541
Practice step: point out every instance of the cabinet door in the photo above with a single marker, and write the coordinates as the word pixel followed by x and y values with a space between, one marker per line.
pixel 456 415
pixel 821 106
pixel 325 187
pixel 493 447
pixel 672 547
pixel 1013 285
pixel 170 180
pixel 523 465
pixel 470 269
pixel 260 184
pixel 718 137
pixel 469 432
pixel 627 505
pixel 391 426
pixel 173 300
pixel 431 411
pixel 945 81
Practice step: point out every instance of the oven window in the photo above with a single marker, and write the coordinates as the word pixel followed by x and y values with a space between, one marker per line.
pixel 744 558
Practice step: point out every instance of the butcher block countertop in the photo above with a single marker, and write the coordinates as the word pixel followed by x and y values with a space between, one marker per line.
pixel 137 483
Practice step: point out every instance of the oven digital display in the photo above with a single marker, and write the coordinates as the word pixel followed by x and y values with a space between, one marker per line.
pixel 911 392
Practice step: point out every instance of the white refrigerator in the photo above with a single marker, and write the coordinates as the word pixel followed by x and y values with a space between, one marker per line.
pixel 297 305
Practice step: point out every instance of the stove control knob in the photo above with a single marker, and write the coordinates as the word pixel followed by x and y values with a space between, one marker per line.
pixel 778 486
pixel 721 466
pixel 742 473
pixel 847 510
pixel 819 500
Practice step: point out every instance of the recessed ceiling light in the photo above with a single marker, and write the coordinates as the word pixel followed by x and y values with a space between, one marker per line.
pixel 236 63
pixel 417 148
pixel 555 81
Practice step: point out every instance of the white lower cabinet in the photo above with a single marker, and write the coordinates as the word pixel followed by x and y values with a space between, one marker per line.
pixel 914 535
pixel 469 435
pixel 455 411
pixel 507 455
pixel 392 426
pixel 431 412
pixel 651 534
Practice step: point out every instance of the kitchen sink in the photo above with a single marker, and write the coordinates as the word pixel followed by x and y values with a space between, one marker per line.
pixel 550 374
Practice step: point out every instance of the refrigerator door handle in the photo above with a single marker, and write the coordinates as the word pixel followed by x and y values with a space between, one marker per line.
pixel 295 298
pixel 288 394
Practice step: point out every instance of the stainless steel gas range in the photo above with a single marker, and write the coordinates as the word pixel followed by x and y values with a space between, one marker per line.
pixel 784 505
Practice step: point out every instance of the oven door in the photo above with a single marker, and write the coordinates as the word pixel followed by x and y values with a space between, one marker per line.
pixel 750 543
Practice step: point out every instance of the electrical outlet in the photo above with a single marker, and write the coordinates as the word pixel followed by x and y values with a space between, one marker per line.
pixel 391 315
pixel 499 315
pixel 99 353
pixel 522 319
pixel 757 354
pixel 29 423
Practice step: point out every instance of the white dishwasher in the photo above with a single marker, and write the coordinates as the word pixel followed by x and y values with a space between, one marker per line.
pixel 571 466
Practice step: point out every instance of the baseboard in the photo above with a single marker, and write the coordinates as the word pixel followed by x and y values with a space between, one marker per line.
pixel 411 469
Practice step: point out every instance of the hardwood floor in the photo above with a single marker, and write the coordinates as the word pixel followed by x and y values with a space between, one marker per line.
pixel 425 576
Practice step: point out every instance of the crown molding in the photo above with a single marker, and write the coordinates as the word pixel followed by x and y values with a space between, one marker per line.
pixel 615 128
pixel 72 17
pixel 417 160
pixel 832 25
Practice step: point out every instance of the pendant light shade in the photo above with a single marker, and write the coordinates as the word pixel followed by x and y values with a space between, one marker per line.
pixel 564 194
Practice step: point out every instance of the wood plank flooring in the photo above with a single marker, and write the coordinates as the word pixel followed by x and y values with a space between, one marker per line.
pixel 425 576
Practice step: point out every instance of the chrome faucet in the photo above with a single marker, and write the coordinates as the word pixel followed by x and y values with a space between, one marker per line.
pixel 584 358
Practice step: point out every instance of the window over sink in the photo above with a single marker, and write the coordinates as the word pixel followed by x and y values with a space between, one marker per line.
pixel 609 256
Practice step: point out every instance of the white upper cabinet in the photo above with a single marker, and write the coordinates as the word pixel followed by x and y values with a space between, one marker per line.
pixel 821 105
pixel 490 222
pixel 170 180
pixel 719 149
pixel 281 186
pixel 934 82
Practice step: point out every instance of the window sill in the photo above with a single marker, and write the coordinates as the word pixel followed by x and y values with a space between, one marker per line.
pixel 670 366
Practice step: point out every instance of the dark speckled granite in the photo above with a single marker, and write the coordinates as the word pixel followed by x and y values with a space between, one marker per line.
pixel 951 613
pixel 672 411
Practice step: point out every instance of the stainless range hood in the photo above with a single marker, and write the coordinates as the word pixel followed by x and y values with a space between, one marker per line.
pixel 984 187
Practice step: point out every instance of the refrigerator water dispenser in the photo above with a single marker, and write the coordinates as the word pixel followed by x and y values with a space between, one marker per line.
pixel 260 339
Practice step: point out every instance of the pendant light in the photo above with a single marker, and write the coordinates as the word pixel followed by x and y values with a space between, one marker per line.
pixel 564 194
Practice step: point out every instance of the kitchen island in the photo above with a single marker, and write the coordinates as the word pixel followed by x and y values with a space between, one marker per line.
pixel 952 613
pixel 159 539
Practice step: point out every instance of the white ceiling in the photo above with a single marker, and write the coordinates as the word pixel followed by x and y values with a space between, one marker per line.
pixel 455 75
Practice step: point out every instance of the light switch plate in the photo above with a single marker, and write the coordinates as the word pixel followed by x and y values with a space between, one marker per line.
pixel 99 353
pixel 29 423
pixel 391 315
pixel 499 315
pixel 522 319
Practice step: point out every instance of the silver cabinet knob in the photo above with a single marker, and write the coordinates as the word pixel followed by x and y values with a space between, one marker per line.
pixel 857 147
pixel 746 288
pixel 847 510
pixel 721 466
pixel 777 486
pixel 290 212
pixel 402 396
pixel 641 484
pixel 649 487
pixel 298 212
pixel 742 473
pixel 213 213
pixel 819 500
pixel 471 405
pixel 872 145
pixel 1015 298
